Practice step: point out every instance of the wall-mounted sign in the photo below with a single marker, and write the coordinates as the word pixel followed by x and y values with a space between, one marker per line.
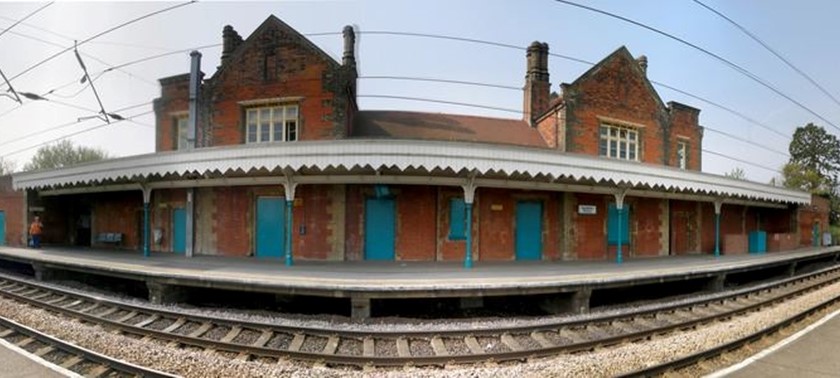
pixel 496 207
pixel 587 209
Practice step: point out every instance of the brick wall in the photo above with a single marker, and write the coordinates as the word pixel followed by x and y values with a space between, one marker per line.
pixel 173 101
pixel 590 231
pixel 645 222
pixel 163 203
pixel 616 91
pixel 416 223
pixel 118 212
pixel 12 206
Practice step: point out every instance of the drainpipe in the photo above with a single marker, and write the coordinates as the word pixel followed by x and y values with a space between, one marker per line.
pixel 192 124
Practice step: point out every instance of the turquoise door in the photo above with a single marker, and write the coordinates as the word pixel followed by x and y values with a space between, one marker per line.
pixel 528 230
pixel 179 230
pixel 2 228
pixel 815 237
pixel 379 229
pixel 271 223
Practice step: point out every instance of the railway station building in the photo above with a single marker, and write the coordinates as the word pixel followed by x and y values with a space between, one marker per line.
pixel 271 157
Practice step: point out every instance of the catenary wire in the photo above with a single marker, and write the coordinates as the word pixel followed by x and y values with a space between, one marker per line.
pixel 82 42
pixel 64 125
pixel 727 62
pixel 25 17
pixel 75 133
pixel 771 50
pixel 742 161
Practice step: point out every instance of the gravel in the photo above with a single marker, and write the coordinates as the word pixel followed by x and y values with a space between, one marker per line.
pixel 602 362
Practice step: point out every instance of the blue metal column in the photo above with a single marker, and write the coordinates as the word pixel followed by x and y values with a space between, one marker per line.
pixel 717 235
pixel 147 193
pixel 619 206
pixel 289 224
pixel 718 204
pixel 468 252
pixel 618 256
pixel 469 198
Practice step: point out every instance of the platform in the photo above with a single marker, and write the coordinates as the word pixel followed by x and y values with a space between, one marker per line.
pixel 361 281
pixel 811 352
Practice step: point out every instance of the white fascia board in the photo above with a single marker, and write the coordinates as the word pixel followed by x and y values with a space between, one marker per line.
pixel 405 154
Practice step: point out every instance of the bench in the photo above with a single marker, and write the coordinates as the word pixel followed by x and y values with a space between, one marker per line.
pixel 109 237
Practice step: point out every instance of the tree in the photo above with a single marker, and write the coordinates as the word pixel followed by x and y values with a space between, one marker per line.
pixel 799 177
pixel 736 173
pixel 814 164
pixel 814 149
pixel 63 154
pixel 6 167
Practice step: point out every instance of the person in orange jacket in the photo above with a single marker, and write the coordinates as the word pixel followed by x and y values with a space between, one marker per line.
pixel 35 231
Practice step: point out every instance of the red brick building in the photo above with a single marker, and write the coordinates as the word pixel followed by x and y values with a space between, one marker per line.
pixel 281 163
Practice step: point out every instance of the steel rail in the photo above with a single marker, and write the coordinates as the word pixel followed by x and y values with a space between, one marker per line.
pixel 718 350
pixel 491 330
pixel 359 360
pixel 86 354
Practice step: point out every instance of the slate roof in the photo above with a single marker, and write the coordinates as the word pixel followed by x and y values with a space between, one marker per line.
pixel 448 127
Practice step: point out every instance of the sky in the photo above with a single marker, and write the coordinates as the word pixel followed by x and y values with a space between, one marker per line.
pixel 803 32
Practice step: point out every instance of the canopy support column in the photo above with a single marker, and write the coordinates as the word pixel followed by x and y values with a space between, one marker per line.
pixel 147 195
pixel 289 186
pixel 619 206
pixel 718 203
pixel 469 198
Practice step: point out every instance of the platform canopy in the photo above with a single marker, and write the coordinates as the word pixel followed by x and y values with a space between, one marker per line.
pixel 399 162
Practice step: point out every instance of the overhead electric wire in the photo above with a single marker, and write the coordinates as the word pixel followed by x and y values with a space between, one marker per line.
pixel 566 57
pixel 25 17
pixel 729 63
pixel 82 42
pixel 87 55
pixel 421 99
pixel 447 81
pixel 75 133
pixel 64 125
pixel 771 50
pixel 742 161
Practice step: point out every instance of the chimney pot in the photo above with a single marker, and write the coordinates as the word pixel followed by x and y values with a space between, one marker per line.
pixel 643 63
pixel 349 58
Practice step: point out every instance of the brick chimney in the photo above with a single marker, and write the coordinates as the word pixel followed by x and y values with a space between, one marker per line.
pixel 537 86
pixel 230 41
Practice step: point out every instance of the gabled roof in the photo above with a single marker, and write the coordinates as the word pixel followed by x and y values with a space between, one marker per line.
pixel 624 55
pixel 448 127
pixel 273 22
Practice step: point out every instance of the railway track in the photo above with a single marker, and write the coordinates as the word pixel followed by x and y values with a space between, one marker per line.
pixel 69 356
pixel 264 341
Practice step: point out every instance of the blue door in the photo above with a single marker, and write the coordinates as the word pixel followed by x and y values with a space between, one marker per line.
pixel 2 228
pixel 179 230
pixel 528 230
pixel 271 223
pixel 815 235
pixel 379 229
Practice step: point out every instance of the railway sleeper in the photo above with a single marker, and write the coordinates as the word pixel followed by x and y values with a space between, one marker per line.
pixel 368 347
pixel 472 343
pixel 438 346
pixel 297 342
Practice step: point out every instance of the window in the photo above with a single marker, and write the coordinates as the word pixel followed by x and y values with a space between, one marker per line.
pixel 613 222
pixel 272 124
pixel 181 125
pixel 618 142
pixel 682 155
pixel 457 219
